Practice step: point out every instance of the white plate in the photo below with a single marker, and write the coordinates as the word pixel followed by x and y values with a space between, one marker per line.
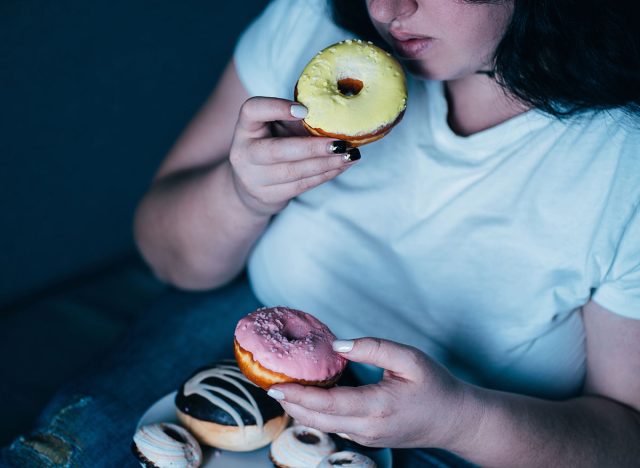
pixel 164 410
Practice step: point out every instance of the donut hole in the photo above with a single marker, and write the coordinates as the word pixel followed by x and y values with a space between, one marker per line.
pixel 307 438
pixel 294 331
pixel 341 459
pixel 350 86
pixel 175 435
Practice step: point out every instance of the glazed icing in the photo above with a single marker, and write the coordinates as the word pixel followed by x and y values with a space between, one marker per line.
pixel 378 104
pixel 291 342
pixel 200 384
pixel 157 443
pixel 290 449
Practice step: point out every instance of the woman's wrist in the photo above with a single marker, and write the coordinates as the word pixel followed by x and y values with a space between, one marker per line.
pixel 466 419
pixel 241 202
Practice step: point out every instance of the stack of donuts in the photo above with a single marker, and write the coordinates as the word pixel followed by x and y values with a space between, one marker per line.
pixel 226 406
pixel 218 407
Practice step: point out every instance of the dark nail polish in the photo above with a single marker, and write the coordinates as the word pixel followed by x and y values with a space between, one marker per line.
pixel 338 147
pixel 353 154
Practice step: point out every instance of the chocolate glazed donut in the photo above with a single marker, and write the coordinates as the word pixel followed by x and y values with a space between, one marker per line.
pixel 223 409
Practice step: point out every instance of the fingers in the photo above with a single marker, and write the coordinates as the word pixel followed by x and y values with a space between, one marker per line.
pixel 298 171
pixel 294 188
pixel 342 401
pixel 257 112
pixel 268 171
pixel 288 128
pixel 288 149
pixel 271 197
pixel 322 422
pixel 404 361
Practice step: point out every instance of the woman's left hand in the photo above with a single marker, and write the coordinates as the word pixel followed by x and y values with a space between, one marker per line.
pixel 418 403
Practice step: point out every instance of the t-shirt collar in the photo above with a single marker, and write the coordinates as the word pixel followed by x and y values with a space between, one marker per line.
pixel 484 143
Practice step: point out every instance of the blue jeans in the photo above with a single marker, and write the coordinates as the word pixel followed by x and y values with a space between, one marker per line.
pixel 91 421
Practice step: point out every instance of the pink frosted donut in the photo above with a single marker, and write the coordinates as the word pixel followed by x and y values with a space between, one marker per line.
pixel 280 345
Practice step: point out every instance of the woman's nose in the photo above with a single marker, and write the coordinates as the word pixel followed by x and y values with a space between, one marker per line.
pixel 385 11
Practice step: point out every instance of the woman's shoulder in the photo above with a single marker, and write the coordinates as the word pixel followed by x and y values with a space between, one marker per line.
pixel 290 12
pixel 272 52
pixel 301 18
pixel 613 131
pixel 619 132
pixel 610 139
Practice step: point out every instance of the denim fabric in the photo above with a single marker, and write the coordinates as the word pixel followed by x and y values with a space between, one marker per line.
pixel 431 458
pixel 91 421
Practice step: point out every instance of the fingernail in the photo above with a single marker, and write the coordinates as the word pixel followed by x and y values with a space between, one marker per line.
pixel 299 111
pixel 342 346
pixel 275 394
pixel 352 154
pixel 338 147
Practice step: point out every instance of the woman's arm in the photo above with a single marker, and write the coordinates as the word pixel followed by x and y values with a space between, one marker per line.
pixel 419 404
pixel 600 428
pixel 219 186
pixel 190 213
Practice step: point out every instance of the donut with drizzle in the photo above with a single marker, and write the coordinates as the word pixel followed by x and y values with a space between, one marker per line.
pixel 281 345
pixel 166 444
pixel 223 409
pixel 300 446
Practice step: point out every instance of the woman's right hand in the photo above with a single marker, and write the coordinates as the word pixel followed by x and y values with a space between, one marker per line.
pixel 270 170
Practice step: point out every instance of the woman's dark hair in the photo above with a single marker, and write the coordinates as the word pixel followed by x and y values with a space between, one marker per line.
pixel 563 57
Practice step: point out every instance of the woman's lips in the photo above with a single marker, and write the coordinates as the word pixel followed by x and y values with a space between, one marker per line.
pixel 412 48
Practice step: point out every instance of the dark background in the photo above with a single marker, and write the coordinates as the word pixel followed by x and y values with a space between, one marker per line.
pixel 92 95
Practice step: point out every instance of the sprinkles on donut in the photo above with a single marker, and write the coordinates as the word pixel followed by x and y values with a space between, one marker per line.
pixel 354 91
pixel 282 345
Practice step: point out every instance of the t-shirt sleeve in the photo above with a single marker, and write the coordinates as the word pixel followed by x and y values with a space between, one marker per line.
pixel 273 50
pixel 620 290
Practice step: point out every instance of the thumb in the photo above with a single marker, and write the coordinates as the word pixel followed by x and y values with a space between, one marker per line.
pixel 400 359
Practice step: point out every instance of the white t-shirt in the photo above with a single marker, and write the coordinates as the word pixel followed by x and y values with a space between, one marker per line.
pixel 479 250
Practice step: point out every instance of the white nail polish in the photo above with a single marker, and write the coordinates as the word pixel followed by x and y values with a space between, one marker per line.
pixel 275 394
pixel 342 346
pixel 299 111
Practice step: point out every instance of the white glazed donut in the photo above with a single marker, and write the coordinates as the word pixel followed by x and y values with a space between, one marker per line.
pixel 301 447
pixel 347 458
pixel 166 445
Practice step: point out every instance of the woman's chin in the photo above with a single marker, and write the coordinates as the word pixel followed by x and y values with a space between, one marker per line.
pixel 423 71
pixel 430 71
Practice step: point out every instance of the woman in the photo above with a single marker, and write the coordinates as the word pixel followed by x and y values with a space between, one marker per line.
pixel 488 245
pixel 495 230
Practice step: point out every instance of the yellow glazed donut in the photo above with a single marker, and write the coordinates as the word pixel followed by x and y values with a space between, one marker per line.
pixel 354 91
